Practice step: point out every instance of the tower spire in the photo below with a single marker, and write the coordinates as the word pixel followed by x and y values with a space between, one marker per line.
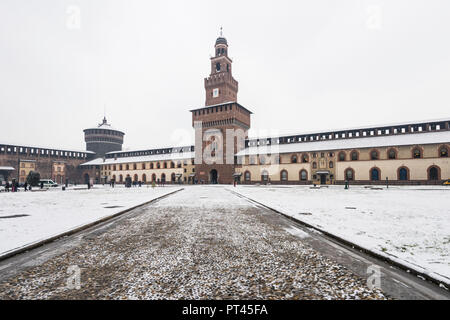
pixel 221 33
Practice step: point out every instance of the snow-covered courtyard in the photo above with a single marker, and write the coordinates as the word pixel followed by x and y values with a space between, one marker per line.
pixel 28 217
pixel 408 223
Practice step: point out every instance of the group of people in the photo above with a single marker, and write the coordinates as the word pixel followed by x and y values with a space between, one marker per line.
pixel 14 186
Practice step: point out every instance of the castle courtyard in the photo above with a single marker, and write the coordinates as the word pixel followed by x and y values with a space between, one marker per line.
pixel 223 242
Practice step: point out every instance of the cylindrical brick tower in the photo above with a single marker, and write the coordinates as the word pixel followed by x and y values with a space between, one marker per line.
pixel 103 139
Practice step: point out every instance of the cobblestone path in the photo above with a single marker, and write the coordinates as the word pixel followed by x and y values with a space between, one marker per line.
pixel 200 243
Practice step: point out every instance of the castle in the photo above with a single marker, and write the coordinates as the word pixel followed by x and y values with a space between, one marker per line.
pixel 401 153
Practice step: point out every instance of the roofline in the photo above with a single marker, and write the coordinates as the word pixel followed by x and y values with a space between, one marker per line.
pixel 84 130
pixel 222 104
pixel 285 135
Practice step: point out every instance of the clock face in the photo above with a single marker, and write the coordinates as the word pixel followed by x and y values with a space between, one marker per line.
pixel 215 93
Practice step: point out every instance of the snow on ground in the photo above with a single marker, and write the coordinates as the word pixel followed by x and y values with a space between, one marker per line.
pixel 411 223
pixel 28 217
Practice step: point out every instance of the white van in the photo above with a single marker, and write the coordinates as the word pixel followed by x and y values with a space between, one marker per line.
pixel 47 183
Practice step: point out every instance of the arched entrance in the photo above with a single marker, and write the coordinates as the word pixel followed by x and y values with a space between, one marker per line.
pixel 213 176
pixel 433 173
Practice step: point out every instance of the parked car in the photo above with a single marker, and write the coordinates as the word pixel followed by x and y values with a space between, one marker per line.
pixel 48 183
pixel 446 182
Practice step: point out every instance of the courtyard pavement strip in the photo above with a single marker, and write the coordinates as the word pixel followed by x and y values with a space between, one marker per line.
pixel 39 243
pixel 397 280
pixel 200 243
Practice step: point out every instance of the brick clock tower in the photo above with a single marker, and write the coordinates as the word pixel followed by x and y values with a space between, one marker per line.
pixel 221 127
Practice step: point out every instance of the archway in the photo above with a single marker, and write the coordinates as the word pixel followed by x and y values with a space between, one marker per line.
pixel 433 173
pixel 213 176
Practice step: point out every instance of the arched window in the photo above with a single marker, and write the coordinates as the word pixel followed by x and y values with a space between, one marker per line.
pixel 172 164
pixel 392 154
pixel 403 174
pixel 247 176
pixel 136 178
pixel 158 165
pixel 417 153
pixel 349 174
pixel 120 178
pixel 374 155
pixel 163 177
pixel 314 165
pixel 264 176
pixel 127 167
pixel 134 166
pixel 294 158
pixel 443 152
pixel 331 164
pixel 303 175
pixel 434 173
pixel 143 166
pixel 284 175
pixel 375 174
pixel 144 178
pixel 151 165
pixel 172 177
pixel 153 177
pixel 354 155
pixel 305 158
pixel 165 165
pixel 341 156
pixel 179 164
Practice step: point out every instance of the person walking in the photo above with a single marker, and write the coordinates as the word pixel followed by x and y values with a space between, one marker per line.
pixel 25 186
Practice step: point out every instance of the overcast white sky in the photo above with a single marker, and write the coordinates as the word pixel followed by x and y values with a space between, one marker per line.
pixel 301 65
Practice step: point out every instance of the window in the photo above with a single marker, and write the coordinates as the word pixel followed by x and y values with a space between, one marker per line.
pixel 374 155
pixel 262 159
pixel 314 165
pixel 303 175
pixel 134 166
pixel 305 158
pixel 294 159
pixel 153 177
pixel 374 174
pixel 349 174
pixel 127 167
pixel 163 177
pixel 144 178
pixel 403 174
pixel 392 154
pixel 158 165
pixel 284 175
pixel 417 153
pixel 354 156
pixel 443 152
pixel 247 176
pixel 342 156
pixel 252 160
pixel 330 165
